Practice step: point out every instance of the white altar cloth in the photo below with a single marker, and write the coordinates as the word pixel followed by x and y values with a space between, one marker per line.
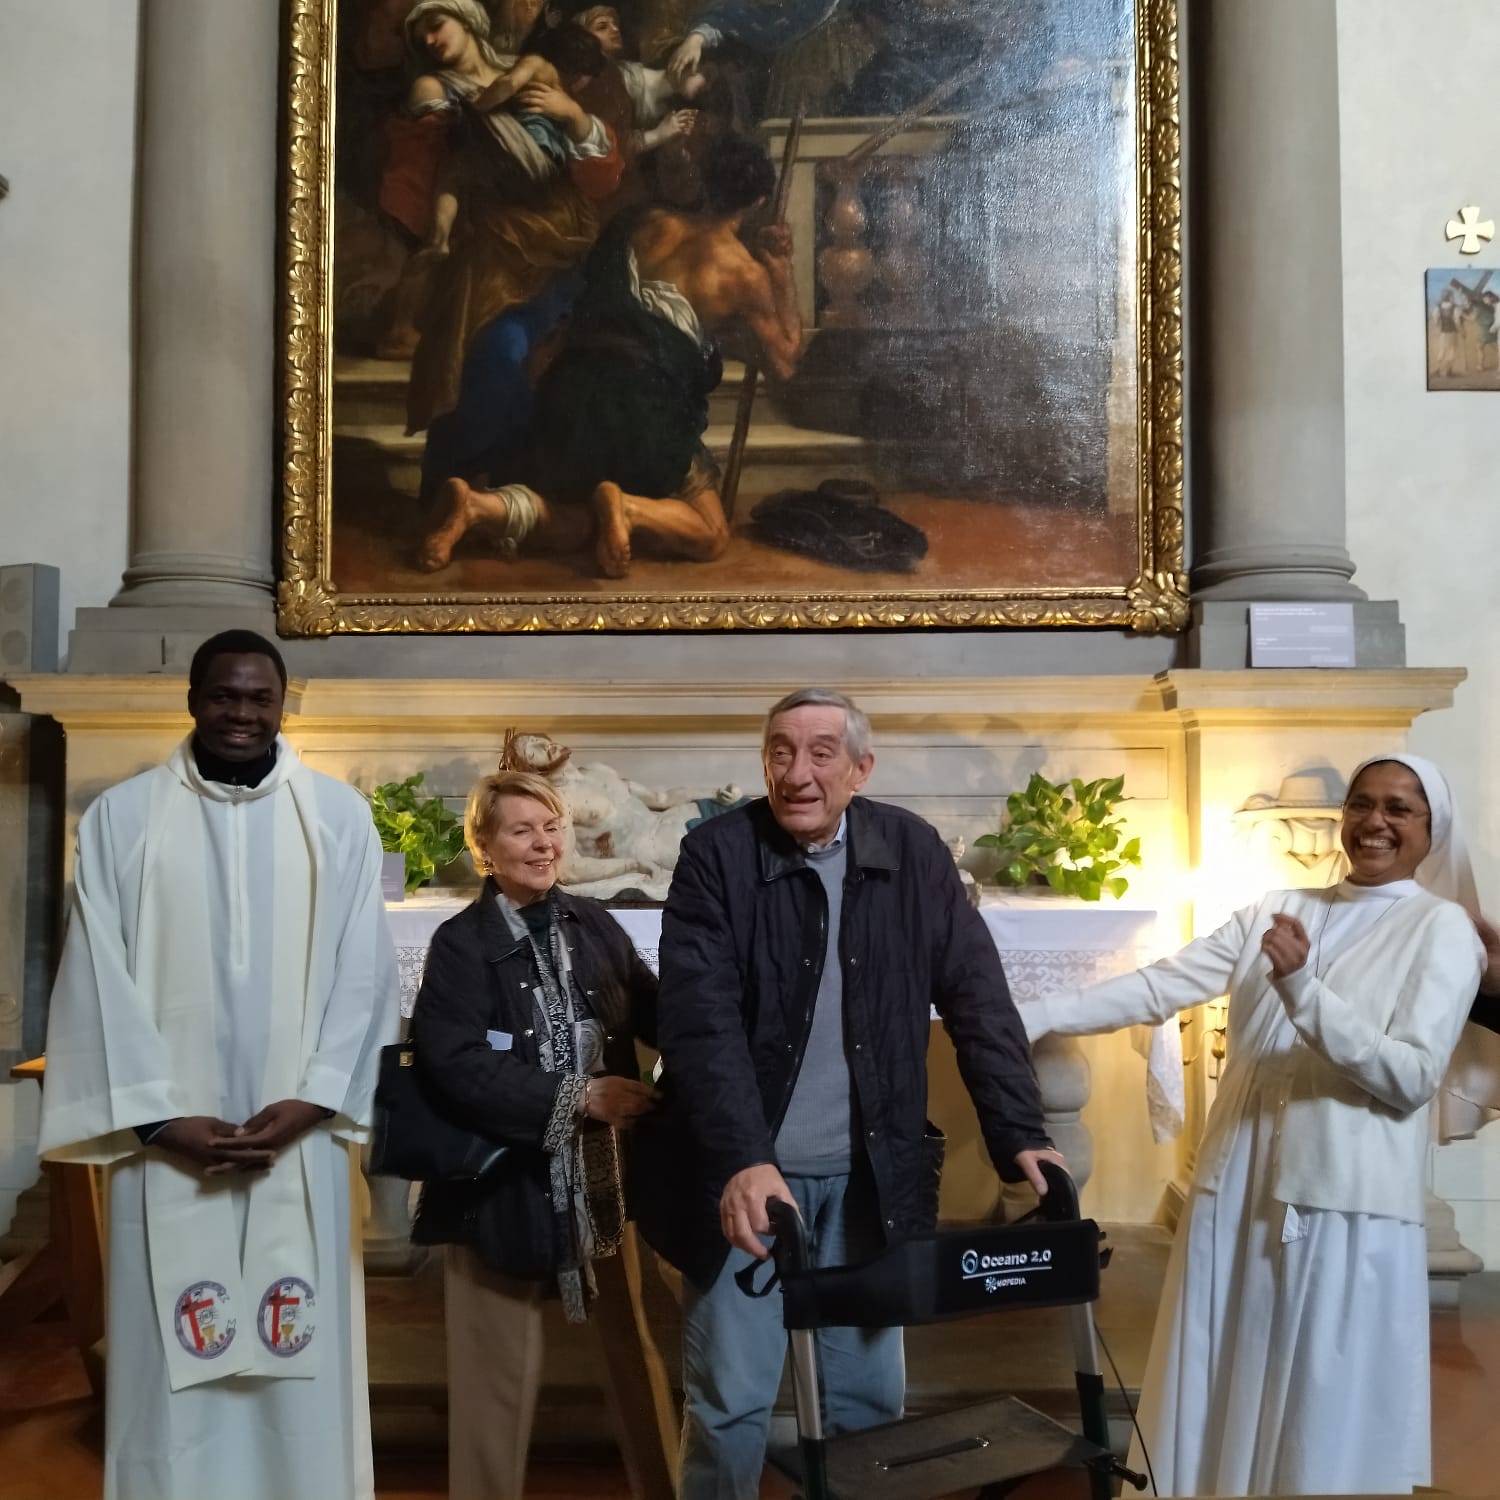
pixel 1046 944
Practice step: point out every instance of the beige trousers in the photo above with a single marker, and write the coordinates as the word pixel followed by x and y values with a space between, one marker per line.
pixel 494 1330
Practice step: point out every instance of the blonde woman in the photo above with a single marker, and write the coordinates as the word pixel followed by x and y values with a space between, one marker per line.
pixel 524 1028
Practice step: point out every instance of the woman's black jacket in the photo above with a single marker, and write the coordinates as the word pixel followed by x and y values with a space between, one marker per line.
pixel 479 979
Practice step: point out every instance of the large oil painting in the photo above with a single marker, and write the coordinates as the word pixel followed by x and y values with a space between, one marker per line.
pixel 707 314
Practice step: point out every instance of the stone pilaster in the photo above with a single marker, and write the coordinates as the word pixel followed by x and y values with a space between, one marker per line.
pixel 1267 306
pixel 200 548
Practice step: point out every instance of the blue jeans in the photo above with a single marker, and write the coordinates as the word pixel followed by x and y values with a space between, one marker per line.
pixel 734 1347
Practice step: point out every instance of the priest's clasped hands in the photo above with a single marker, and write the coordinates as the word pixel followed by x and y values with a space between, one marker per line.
pixel 217 1146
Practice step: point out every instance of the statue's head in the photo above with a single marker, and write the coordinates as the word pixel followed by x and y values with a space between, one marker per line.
pixel 539 753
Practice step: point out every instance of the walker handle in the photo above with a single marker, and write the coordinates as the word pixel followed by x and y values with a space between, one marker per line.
pixel 790 1248
pixel 1060 1202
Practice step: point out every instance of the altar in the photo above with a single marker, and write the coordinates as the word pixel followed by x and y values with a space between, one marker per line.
pixel 1194 747
pixel 1045 942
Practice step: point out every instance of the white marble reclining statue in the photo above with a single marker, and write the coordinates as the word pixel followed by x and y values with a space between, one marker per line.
pixel 622 836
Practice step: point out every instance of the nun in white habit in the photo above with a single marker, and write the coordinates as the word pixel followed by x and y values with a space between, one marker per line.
pixel 1290 1354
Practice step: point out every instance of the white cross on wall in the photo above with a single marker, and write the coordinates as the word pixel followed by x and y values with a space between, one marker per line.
pixel 1468 228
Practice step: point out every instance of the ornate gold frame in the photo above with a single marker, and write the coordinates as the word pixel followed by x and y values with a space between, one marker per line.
pixel 308 604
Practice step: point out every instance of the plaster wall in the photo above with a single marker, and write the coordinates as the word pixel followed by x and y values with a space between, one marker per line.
pixel 1419 139
pixel 66 246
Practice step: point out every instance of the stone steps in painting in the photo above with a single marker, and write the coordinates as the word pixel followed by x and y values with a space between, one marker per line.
pixel 372 447
pixel 374 390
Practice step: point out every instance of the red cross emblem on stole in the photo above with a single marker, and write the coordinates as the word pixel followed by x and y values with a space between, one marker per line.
pixel 284 1320
pixel 203 1320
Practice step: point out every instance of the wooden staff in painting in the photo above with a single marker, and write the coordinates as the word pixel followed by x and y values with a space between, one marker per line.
pixel 918 111
pixel 736 460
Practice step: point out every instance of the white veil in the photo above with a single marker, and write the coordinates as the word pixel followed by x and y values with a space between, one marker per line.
pixel 1470 1093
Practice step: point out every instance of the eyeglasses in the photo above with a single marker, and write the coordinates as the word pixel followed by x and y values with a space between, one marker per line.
pixel 1395 811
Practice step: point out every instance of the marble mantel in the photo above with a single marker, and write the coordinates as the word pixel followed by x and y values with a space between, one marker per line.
pixel 1335 698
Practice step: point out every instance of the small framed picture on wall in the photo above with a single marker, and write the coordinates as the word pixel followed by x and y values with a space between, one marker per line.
pixel 1463 320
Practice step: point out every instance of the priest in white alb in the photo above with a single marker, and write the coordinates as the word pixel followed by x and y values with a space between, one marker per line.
pixel 226 984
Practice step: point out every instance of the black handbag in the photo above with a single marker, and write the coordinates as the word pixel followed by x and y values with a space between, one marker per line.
pixel 415 1136
pixel 506 1218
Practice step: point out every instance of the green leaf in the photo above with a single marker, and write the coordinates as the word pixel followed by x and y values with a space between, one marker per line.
pixel 421 828
pixel 1118 886
pixel 1063 833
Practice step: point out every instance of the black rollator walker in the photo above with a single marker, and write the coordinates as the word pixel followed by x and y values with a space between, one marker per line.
pixel 1050 1258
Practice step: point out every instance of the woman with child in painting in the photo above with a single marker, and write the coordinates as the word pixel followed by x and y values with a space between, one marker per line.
pixel 514 212
pixel 1290 1349
pixel 527 177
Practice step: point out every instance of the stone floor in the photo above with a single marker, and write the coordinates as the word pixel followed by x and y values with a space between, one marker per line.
pixel 51 1428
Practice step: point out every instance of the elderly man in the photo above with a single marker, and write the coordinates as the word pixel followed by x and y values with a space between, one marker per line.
pixel 805 938
pixel 225 986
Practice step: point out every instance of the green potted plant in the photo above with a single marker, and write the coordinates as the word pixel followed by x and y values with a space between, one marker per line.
pixel 1063 835
pixel 420 828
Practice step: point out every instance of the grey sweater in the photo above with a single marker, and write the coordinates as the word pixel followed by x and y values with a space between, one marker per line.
pixel 814 1139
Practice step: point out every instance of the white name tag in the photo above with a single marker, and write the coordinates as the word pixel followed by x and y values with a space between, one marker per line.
pixel 500 1041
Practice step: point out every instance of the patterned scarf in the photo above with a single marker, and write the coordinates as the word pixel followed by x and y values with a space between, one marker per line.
pixel 588 1204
